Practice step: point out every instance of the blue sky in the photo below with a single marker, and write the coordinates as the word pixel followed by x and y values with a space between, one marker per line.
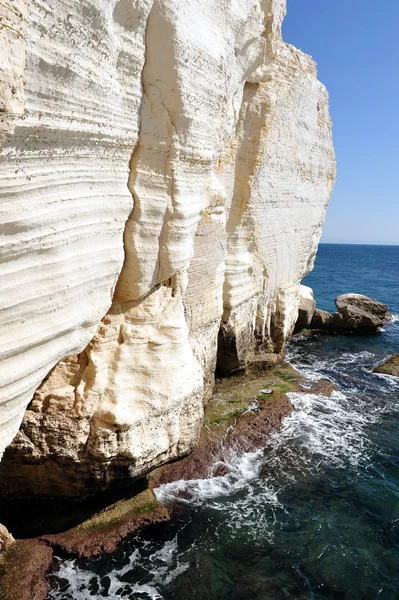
pixel 355 44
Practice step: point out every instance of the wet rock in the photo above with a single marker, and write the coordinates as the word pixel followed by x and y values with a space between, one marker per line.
pixel 231 423
pixel 99 534
pixel 389 367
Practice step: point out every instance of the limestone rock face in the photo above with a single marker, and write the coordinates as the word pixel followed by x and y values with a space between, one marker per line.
pixel 306 309
pixel 6 539
pixel 157 179
pixel 67 139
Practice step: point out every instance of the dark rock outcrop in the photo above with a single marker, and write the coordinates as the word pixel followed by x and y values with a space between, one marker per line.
pixel 103 532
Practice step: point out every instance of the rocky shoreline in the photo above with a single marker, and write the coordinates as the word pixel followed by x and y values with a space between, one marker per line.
pixel 245 409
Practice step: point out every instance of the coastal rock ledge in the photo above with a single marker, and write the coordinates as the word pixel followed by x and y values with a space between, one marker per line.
pixel 165 172
pixel 356 314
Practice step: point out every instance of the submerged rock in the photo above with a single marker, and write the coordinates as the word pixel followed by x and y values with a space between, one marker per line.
pixel 389 367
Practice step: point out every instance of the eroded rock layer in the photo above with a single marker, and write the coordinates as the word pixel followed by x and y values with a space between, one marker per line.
pixel 199 157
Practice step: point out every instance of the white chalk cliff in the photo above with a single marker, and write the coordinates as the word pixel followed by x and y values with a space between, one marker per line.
pixel 165 170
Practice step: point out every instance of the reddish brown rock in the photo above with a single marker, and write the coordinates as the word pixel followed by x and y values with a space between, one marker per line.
pixel 103 532
pixel 22 571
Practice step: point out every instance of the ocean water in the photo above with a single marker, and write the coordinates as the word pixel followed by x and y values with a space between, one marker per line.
pixel 315 514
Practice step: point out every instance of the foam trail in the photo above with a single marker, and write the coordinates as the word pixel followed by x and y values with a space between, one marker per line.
pixel 161 567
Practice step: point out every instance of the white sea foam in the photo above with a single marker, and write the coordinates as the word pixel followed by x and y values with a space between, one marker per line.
pixel 161 567
pixel 323 431
pixel 241 470
pixel 327 430
pixel 324 367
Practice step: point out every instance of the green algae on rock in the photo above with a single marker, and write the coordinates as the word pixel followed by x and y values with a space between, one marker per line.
pixel 106 529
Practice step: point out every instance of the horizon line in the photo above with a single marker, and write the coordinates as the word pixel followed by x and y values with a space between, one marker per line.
pixel 347 243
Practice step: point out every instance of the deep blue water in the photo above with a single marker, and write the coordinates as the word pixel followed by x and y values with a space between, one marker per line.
pixel 313 516
pixel 345 268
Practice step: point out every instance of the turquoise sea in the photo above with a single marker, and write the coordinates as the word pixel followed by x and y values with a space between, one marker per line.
pixel 315 514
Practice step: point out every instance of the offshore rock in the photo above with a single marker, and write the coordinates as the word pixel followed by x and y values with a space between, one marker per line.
pixel 357 312
pixel 389 367
pixel 156 180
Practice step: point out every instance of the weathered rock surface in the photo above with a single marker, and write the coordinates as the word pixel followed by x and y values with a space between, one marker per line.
pixel 356 313
pixel 199 158
pixel 359 312
pixel 389 367
pixel 6 539
pixel 23 568
pixel 320 319
pixel 306 309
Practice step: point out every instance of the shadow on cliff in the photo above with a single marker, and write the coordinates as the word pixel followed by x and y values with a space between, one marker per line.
pixel 31 517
